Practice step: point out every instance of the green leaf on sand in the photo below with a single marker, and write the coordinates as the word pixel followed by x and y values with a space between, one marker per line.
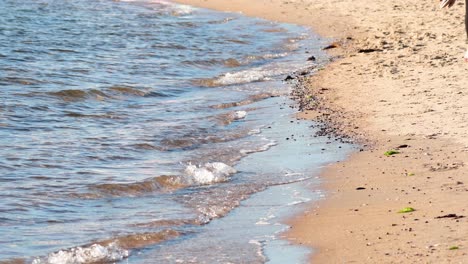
pixel 391 152
pixel 406 210
pixel 410 174
pixel 453 248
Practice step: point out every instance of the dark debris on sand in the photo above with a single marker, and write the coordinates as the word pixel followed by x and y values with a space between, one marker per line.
pixel 330 122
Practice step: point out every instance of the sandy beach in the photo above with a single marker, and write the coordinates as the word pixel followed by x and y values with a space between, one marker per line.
pixel 397 83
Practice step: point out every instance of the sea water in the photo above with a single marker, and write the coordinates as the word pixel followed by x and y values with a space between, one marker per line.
pixel 131 130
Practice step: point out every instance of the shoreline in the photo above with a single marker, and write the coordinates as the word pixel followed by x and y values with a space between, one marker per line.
pixel 397 83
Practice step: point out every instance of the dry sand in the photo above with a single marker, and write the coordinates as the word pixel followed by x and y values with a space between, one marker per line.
pixel 400 80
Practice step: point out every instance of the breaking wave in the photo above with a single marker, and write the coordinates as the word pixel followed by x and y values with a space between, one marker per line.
pixel 106 251
pixel 228 118
pixel 209 173
pixel 90 254
pixel 257 74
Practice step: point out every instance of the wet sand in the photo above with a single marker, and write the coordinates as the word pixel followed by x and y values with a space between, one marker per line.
pixel 397 83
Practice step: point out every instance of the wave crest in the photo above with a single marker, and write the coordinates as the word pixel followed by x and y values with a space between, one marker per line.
pixel 113 92
pixel 160 183
pixel 209 173
pixel 91 254
pixel 107 251
pixel 79 95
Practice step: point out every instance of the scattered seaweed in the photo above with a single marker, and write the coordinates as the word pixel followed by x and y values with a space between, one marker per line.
pixel 406 210
pixel 391 153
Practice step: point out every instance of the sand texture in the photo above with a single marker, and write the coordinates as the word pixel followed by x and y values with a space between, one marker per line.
pixel 398 81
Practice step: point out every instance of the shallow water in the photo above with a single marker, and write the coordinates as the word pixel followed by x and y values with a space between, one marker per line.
pixel 127 126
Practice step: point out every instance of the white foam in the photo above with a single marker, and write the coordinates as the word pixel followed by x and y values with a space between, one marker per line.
pixel 251 75
pixel 91 254
pixel 275 55
pixel 255 242
pixel 291 174
pixel 251 58
pixel 243 77
pixel 298 202
pixel 255 131
pixel 176 9
pixel 260 245
pixel 181 10
pixel 240 115
pixel 260 149
pixel 209 173
pixel 162 2
pixel 262 222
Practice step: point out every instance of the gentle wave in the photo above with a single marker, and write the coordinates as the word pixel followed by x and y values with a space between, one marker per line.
pixel 170 222
pixel 250 100
pixel 129 90
pixel 147 146
pixel 223 21
pixel 79 95
pixel 208 173
pixel 221 201
pixel 105 116
pixel 196 139
pixel 231 62
pixel 134 241
pixel 19 80
pixel 113 92
pixel 107 251
pixel 160 183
